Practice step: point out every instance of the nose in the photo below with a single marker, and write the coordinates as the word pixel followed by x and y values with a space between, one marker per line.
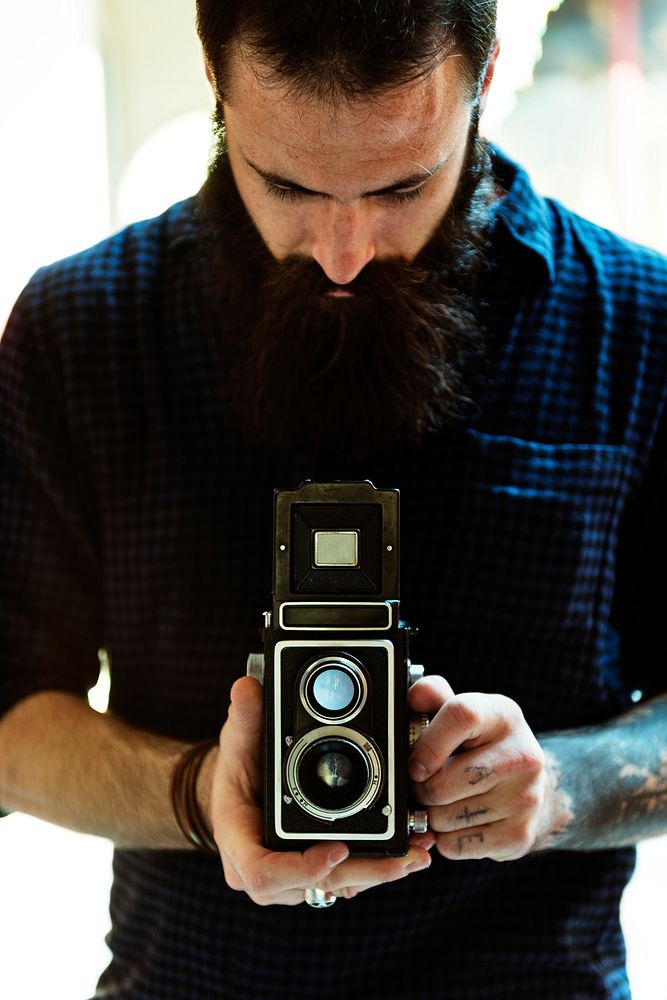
pixel 342 240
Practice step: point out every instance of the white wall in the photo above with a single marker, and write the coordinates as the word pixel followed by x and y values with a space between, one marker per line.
pixel 157 101
pixel 54 196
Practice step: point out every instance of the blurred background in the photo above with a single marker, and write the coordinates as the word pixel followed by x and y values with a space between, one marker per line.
pixel 104 119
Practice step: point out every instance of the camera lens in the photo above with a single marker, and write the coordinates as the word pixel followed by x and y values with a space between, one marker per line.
pixel 334 688
pixel 334 772
pixel 334 769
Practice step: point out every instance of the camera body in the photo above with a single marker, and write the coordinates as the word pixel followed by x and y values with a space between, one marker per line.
pixel 336 673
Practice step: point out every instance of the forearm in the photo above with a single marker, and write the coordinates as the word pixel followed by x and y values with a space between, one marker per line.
pixel 609 783
pixel 63 762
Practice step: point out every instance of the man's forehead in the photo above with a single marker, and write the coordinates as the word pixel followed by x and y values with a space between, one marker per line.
pixel 413 121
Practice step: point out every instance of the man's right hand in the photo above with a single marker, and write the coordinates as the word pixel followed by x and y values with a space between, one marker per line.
pixel 266 876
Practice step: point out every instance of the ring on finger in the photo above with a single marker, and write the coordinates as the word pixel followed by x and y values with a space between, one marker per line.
pixel 318 898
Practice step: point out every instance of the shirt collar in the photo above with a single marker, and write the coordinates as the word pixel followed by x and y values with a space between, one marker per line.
pixel 524 214
pixel 182 223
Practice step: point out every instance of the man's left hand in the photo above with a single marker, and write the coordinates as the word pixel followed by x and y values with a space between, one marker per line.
pixel 481 772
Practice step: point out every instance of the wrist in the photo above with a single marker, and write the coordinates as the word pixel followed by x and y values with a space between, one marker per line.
pixel 187 793
pixel 204 786
pixel 557 811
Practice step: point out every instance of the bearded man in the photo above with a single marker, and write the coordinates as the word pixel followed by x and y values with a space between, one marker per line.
pixel 362 290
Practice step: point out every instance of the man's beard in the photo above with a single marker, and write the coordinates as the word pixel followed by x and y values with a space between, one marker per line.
pixel 392 363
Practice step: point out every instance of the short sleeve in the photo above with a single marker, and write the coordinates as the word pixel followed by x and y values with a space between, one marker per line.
pixel 50 607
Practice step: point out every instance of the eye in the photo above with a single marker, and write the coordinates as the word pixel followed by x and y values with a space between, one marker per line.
pixel 284 193
pixel 293 194
pixel 403 196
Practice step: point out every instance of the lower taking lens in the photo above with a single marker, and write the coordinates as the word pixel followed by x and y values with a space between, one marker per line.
pixel 334 769
pixel 334 773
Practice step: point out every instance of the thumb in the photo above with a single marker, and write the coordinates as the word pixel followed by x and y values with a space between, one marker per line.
pixel 242 733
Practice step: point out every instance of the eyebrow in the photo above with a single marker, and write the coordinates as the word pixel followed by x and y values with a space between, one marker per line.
pixel 406 182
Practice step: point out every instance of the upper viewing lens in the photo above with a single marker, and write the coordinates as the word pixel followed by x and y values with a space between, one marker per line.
pixel 334 690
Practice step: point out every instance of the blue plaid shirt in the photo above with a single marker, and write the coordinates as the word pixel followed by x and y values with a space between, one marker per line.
pixel 133 518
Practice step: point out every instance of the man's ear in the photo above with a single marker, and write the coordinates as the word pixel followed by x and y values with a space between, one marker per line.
pixel 490 70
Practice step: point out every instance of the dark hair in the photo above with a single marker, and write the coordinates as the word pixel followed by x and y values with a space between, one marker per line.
pixel 346 48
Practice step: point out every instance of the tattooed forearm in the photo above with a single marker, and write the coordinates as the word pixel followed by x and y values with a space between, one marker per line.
pixel 610 782
pixel 650 794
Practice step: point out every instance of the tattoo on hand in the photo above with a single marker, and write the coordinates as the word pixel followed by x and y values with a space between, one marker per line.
pixel 468 816
pixel 470 838
pixel 477 774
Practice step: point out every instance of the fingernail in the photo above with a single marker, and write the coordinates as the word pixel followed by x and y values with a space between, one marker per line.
pixel 417 771
pixel 337 857
pixel 413 861
pixel 418 866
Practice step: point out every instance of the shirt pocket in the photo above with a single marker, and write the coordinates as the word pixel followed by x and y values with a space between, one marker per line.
pixel 533 539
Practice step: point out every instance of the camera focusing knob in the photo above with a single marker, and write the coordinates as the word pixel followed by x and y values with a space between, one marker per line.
pixel 418 821
pixel 418 725
pixel 255 666
pixel 415 672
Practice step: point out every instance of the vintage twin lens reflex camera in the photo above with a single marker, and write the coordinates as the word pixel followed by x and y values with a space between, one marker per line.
pixel 336 673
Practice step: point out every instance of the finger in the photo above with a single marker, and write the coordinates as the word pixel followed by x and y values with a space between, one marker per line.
pixel 365 873
pixel 261 872
pixel 245 721
pixel 429 694
pixel 471 719
pixel 464 815
pixel 500 841
pixel 425 840
pixel 463 776
pixel 295 897
pixel 360 874
pixel 238 776
pixel 470 845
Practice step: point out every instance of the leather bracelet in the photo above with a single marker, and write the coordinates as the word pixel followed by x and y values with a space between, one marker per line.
pixel 184 801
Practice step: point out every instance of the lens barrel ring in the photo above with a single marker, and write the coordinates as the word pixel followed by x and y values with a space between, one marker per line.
pixel 348 740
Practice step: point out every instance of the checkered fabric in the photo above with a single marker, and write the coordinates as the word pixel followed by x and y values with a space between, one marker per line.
pixel 132 518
